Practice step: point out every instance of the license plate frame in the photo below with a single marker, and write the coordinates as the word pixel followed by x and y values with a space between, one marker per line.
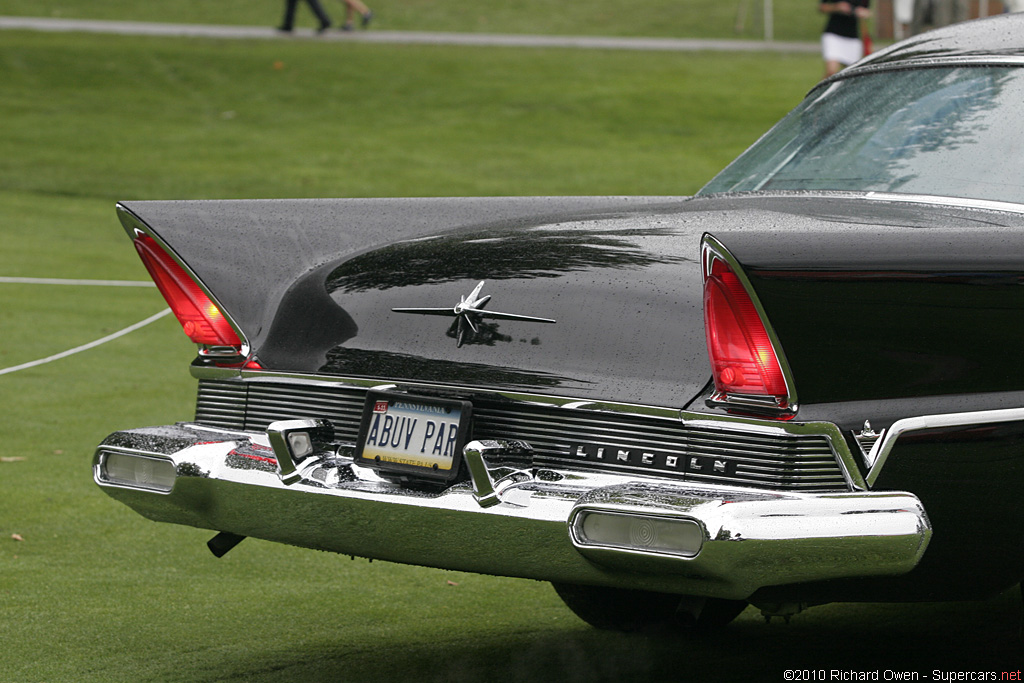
pixel 420 428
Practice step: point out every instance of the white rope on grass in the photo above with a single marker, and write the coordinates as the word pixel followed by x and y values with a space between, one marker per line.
pixel 90 345
pixel 59 281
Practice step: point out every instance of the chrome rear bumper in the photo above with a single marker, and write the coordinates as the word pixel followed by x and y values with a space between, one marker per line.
pixel 569 526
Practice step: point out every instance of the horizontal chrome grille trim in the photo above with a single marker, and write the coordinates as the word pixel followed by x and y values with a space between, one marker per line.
pixel 791 462
pixel 782 458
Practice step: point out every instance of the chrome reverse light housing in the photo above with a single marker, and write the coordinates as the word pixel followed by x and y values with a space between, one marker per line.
pixel 654 534
pixel 126 468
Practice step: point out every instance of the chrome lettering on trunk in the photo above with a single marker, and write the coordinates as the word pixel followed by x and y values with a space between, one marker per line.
pixel 648 459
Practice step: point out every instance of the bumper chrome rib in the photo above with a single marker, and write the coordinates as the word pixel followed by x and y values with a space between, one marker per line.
pixel 557 524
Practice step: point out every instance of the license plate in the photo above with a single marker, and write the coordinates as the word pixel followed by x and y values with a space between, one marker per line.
pixel 416 436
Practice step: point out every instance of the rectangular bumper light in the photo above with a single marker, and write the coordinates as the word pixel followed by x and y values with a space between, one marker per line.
pixel 638 533
pixel 136 471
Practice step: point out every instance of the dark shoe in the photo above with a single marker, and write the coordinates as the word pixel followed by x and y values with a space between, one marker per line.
pixel 323 27
pixel 347 26
pixel 367 18
pixel 284 29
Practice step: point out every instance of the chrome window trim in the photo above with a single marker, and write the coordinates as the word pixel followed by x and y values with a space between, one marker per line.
pixel 894 197
pixel 728 423
pixel 937 200
pixel 134 227
pixel 882 449
pixel 918 63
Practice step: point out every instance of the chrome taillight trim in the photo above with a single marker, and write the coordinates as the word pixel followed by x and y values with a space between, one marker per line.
pixel 135 227
pixel 710 249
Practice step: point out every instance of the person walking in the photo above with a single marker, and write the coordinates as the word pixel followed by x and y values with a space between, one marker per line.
pixel 841 43
pixel 353 6
pixel 289 15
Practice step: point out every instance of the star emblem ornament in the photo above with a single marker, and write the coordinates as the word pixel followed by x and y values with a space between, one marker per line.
pixel 470 311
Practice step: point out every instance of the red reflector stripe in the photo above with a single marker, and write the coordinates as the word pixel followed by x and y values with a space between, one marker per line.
pixel 252 456
pixel 200 318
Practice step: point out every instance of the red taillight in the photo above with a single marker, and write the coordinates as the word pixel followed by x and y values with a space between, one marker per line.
pixel 199 316
pixel 744 363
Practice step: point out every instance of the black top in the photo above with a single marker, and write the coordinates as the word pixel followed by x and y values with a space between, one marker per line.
pixel 846 25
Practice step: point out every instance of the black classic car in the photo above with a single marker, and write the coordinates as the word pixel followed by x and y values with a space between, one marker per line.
pixel 802 385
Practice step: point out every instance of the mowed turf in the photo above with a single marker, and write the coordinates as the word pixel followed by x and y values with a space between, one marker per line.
pixel 90 591
pixel 743 19
pixel 129 118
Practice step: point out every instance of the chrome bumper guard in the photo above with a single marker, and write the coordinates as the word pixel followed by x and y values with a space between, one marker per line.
pixel 572 526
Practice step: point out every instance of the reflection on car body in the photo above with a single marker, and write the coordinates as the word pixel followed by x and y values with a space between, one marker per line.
pixel 801 385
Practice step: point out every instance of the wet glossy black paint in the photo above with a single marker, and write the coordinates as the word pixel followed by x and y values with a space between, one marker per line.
pixel 621 297
pixel 885 300
pixel 871 299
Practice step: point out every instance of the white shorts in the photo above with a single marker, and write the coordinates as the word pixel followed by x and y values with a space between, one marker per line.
pixel 904 11
pixel 840 49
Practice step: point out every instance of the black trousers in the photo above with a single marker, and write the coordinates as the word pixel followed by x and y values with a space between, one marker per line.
pixel 289 13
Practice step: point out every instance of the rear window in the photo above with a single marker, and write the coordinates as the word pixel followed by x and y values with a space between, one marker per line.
pixel 956 132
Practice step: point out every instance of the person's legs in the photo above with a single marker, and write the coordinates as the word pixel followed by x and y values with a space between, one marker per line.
pixel 289 15
pixel 357 5
pixel 353 6
pixel 318 10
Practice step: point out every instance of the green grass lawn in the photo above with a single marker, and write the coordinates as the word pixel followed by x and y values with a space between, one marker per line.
pixel 89 591
pixel 152 119
pixel 793 19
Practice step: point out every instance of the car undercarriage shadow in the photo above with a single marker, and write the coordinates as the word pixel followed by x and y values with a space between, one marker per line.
pixel 888 642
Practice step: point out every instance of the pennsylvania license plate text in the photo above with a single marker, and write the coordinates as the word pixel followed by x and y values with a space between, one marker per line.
pixel 413 433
